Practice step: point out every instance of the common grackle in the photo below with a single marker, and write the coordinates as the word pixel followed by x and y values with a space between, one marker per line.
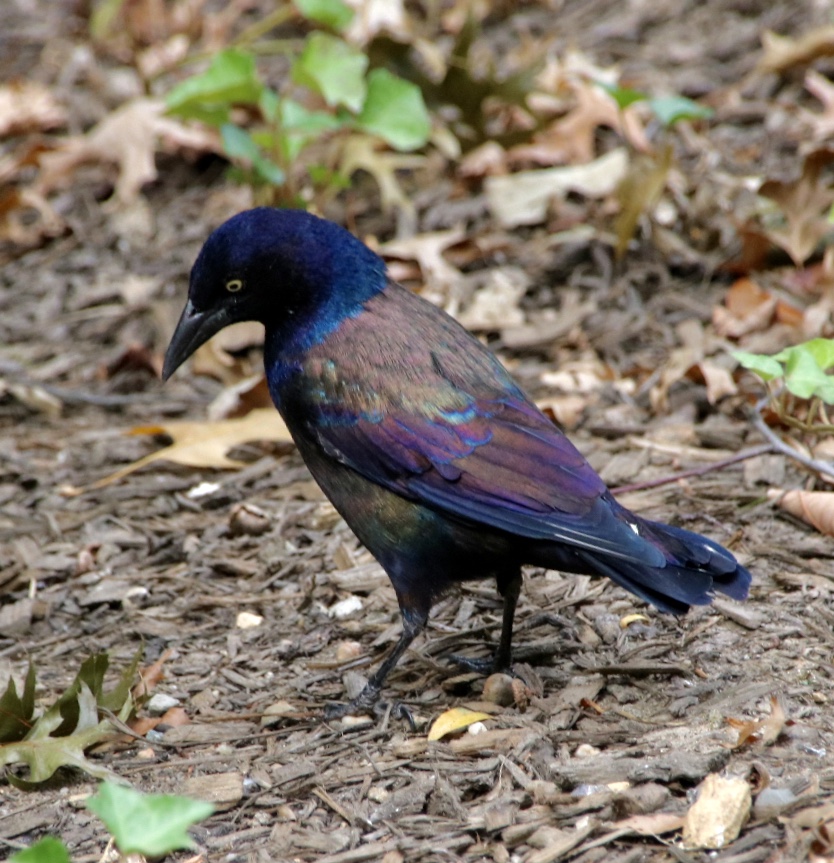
pixel 438 461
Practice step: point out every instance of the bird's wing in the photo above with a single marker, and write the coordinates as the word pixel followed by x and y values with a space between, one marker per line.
pixel 419 429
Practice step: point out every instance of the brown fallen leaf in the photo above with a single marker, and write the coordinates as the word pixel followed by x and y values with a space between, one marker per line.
pixel 762 731
pixel 27 106
pixel 427 250
pixel 804 203
pixel 128 138
pixel 820 124
pixel 572 139
pixel 150 676
pixel 747 308
pixel 781 52
pixel 814 507
pixel 200 444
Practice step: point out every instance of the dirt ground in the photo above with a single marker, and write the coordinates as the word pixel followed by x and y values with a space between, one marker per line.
pixel 624 714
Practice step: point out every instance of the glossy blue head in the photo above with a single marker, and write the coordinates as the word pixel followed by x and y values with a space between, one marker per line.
pixel 296 273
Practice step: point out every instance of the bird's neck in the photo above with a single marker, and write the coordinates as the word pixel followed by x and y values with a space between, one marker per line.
pixel 289 339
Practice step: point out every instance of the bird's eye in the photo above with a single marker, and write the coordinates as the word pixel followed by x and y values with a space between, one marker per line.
pixel 234 285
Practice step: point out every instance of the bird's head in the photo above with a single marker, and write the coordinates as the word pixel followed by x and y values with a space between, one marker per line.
pixel 294 272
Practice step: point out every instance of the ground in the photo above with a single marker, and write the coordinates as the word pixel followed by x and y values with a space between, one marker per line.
pixel 621 710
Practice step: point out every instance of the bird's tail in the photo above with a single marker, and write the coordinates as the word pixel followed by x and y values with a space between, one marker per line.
pixel 695 567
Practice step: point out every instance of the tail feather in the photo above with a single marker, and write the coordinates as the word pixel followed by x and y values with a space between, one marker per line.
pixel 695 568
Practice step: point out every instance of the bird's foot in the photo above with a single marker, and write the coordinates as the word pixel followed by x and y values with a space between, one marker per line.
pixel 367 703
pixel 486 665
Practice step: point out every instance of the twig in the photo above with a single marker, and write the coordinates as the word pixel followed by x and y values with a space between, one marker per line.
pixel 762 449
pixel 776 443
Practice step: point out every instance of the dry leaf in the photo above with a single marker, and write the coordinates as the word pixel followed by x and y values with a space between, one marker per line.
pixel 456 719
pixel 764 731
pixel 427 250
pixel 151 675
pixel 496 305
pixel 747 308
pixel 485 161
pixel 378 16
pixel 719 813
pixel 128 138
pixel 653 824
pixel 814 507
pixel 200 444
pixel 822 124
pixel 638 193
pixel 362 153
pixel 26 106
pixel 781 52
pixel 523 198
pixel 572 138
pixel 804 203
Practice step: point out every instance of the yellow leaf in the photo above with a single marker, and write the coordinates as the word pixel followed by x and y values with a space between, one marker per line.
pixel 453 720
pixel 200 444
pixel 626 621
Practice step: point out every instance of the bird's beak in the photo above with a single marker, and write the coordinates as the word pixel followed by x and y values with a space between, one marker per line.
pixel 194 329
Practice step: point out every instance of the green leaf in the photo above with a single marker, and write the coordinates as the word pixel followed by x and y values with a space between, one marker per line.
pixel 16 712
pixel 239 144
pixel 230 80
pixel 804 377
pixel 299 127
pixel 48 850
pixel 766 367
pixel 623 96
pixel 334 69
pixel 148 824
pixel 822 350
pixel 394 110
pixel 672 109
pixel 331 13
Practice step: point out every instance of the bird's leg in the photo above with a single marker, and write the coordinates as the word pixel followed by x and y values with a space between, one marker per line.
pixel 510 588
pixel 414 622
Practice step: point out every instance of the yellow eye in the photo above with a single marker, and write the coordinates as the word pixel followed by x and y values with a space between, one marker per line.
pixel 234 285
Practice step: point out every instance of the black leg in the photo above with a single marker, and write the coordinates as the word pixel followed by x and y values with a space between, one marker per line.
pixel 414 622
pixel 510 588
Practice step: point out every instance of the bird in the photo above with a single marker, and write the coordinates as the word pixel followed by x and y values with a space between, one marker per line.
pixel 435 457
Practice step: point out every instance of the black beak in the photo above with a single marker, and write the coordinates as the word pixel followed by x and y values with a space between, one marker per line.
pixel 194 329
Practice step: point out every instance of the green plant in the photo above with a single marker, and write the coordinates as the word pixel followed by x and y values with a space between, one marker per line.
pixel 668 110
pixel 148 824
pixel 278 141
pixel 800 389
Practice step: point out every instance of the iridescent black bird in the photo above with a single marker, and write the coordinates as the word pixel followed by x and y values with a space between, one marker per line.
pixel 441 465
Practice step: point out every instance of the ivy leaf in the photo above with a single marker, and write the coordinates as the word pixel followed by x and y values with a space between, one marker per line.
pixel 331 13
pixel 231 79
pixel 623 96
pixel 394 110
pixel 672 109
pixel 804 377
pixel 766 367
pixel 48 850
pixel 149 824
pixel 239 144
pixel 299 126
pixel 822 350
pixel 334 69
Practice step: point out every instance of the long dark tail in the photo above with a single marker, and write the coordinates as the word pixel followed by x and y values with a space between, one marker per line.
pixel 688 570
pixel 696 568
